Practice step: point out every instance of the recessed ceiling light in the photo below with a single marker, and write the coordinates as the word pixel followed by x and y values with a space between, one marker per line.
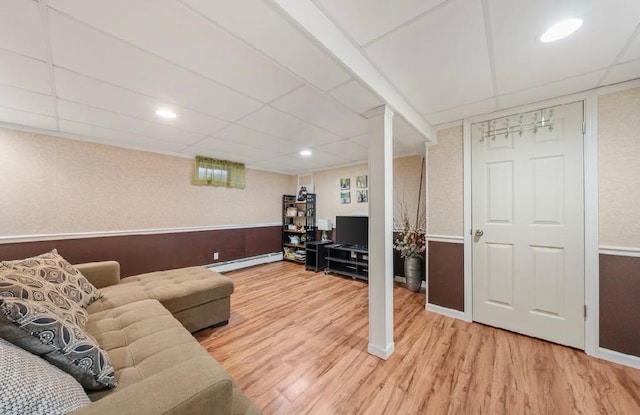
pixel 560 30
pixel 166 113
pixel 305 153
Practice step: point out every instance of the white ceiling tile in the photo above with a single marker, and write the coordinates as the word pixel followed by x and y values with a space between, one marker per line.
pixel 240 134
pixel 464 111
pixel 24 100
pixel 118 138
pixel 85 50
pixel 20 28
pixel 314 107
pixel 440 60
pixel 13 116
pixel 240 152
pixel 623 72
pixel 310 136
pixel 633 52
pixel 551 90
pixel 267 30
pixel 363 140
pixel 325 159
pixel 24 72
pixel 272 167
pixel 274 122
pixel 291 163
pixel 356 97
pixel 345 149
pixel 176 33
pixel 522 61
pixel 365 20
pixel 81 113
pixel 80 89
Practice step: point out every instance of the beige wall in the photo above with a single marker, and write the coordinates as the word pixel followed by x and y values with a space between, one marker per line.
pixel 445 181
pixel 619 168
pixel 51 185
pixel 406 173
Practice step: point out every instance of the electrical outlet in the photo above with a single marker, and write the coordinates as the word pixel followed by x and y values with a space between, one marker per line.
pixel 216 256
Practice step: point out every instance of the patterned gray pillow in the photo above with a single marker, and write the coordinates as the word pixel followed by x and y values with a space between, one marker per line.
pixel 55 269
pixel 29 385
pixel 19 284
pixel 37 327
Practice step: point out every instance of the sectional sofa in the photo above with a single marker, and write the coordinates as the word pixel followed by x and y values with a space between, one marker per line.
pixel 143 326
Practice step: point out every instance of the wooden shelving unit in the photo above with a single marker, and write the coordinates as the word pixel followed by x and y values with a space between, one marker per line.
pixel 298 226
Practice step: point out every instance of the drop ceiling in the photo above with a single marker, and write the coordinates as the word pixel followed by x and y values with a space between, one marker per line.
pixel 250 85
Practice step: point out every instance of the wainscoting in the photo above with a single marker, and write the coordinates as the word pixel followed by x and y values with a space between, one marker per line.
pixel 445 287
pixel 156 251
pixel 620 303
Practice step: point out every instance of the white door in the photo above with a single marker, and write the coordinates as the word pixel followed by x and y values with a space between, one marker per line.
pixel 528 224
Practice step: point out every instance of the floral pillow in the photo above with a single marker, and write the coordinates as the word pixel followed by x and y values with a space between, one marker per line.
pixel 54 268
pixel 38 327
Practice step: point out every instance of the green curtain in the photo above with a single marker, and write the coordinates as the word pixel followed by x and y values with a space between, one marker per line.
pixel 213 172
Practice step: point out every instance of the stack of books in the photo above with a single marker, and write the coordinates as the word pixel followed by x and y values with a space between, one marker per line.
pixel 300 255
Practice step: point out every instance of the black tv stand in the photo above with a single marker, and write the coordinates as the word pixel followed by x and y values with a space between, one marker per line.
pixel 349 260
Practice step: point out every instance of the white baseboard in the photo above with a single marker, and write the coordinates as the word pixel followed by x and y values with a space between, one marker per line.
pixel 246 262
pixel 382 353
pixel 620 358
pixel 449 312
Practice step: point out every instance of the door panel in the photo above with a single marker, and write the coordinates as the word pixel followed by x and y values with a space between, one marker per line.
pixel 527 198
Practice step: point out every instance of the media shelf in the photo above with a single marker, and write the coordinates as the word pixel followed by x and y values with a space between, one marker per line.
pixel 298 225
pixel 351 261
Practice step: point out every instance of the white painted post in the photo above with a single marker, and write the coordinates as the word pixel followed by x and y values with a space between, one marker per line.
pixel 381 232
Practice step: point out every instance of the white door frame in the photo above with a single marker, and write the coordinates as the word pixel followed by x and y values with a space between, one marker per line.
pixel 590 208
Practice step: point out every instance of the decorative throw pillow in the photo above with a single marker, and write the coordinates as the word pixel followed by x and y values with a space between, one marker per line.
pixel 55 269
pixel 37 327
pixel 29 385
pixel 15 283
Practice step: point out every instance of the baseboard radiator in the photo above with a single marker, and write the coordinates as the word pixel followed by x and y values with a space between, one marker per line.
pixel 245 262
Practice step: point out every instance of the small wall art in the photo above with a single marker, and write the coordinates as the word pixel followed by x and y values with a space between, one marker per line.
pixel 363 196
pixel 361 182
pixel 345 183
pixel 345 197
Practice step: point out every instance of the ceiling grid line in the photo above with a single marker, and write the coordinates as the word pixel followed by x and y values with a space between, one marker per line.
pixel 250 46
pixel 486 13
pixel 142 94
pixel 621 53
pixel 406 23
pixel 169 61
pixel 44 20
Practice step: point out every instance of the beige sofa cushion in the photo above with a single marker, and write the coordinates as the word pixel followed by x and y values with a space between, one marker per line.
pixel 142 339
pixel 177 289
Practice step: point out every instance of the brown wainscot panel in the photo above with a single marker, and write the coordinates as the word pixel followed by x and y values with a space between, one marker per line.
pixel 446 275
pixel 146 253
pixel 620 304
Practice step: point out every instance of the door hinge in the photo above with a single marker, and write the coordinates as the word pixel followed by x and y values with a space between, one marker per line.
pixel 584 127
pixel 585 312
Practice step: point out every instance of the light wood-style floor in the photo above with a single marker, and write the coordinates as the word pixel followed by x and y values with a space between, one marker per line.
pixel 296 344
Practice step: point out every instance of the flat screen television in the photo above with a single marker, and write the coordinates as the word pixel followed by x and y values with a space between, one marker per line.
pixel 352 231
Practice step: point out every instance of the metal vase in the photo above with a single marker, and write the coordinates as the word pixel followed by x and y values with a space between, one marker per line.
pixel 413 273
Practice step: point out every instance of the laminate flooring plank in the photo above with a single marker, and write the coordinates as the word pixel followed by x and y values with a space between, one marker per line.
pixel 296 343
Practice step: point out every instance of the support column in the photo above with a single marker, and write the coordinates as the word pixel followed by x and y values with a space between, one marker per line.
pixel 381 232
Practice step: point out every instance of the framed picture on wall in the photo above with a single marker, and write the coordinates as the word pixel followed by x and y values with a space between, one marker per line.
pixel 361 182
pixel 345 183
pixel 363 196
pixel 345 197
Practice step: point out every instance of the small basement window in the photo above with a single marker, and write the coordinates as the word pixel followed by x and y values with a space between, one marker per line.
pixel 213 172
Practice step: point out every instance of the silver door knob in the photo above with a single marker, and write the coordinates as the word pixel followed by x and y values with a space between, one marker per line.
pixel 479 232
